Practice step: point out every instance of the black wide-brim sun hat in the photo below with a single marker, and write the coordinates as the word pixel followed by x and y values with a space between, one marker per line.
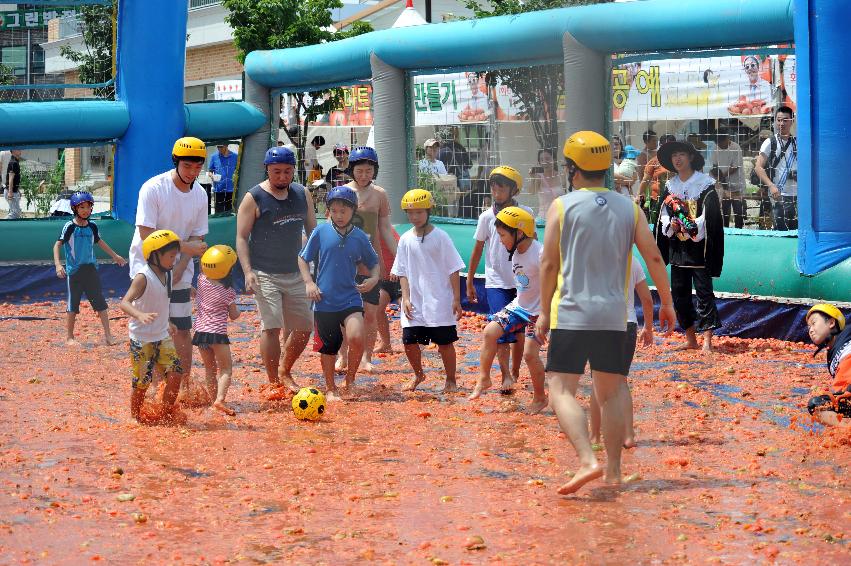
pixel 667 150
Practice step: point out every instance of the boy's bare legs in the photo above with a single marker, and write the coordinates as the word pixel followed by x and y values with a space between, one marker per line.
pixel 447 354
pixel 490 349
pixel 137 398
pixel 707 341
pixel 415 358
pixel 328 371
pixel 572 420
pixel 223 361
pixel 532 357
pixel 104 321
pixel 629 430
pixel 383 343
pixel 172 388
pixel 691 339
pixel 183 344
pixel 370 331
pixel 69 329
pixel 354 328
pixel 293 348
pixel 342 362
pixel 516 360
pixel 270 352
pixel 608 387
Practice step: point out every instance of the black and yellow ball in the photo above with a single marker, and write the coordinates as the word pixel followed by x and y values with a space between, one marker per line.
pixel 309 404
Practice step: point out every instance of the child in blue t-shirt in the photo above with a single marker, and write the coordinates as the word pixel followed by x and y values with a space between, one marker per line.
pixel 77 241
pixel 337 248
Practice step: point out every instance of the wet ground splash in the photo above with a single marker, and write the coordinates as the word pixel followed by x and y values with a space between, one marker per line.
pixel 728 469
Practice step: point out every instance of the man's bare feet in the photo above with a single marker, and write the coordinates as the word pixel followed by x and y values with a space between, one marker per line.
pixel 288 382
pixel 481 386
pixel 220 406
pixel 413 385
pixel 384 348
pixel 71 342
pixel 278 392
pixel 110 340
pixel 583 476
pixel 538 405
pixel 507 387
pixel 332 395
pixel 629 442
pixel 450 386
pixel 366 367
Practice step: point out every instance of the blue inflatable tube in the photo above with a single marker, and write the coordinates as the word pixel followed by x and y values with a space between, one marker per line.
pixel 528 38
pixel 222 120
pixel 63 123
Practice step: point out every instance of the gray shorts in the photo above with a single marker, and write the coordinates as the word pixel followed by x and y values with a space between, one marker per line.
pixel 282 301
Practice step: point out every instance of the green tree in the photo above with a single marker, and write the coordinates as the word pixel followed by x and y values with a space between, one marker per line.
pixel 278 24
pixel 7 76
pixel 537 89
pixel 94 63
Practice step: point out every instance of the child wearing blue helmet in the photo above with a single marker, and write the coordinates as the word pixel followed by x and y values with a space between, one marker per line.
pixel 77 240
pixel 338 248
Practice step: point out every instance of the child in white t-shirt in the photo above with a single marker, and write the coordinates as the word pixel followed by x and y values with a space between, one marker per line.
pixel 516 229
pixel 428 267
pixel 637 284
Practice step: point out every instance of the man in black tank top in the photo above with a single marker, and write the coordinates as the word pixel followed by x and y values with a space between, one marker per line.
pixel 269 226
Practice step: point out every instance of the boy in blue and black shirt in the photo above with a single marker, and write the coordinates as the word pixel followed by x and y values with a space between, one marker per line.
pixel 337 248
pixel 77 241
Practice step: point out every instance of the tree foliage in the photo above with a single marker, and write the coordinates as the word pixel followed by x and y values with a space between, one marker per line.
pixel 537 88
pixel 94 63
pixel 280 24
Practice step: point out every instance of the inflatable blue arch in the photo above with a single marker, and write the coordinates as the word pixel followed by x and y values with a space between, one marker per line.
pixel 814 264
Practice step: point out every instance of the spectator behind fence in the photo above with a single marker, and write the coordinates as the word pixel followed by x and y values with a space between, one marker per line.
pixel 654 179
pixel 222 169
pixel 547 181
pixel 727 166
pixel 338 175
pixel 651 145
pixel 777 168
pixel 13 184
pixel 431 163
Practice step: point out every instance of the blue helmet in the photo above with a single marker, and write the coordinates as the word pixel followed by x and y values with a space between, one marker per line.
pixel 279 155
pixel 345 194
pixel 80 197
pixel 363 154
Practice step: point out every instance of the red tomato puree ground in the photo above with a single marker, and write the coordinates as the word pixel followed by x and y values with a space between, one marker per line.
pixel 729 468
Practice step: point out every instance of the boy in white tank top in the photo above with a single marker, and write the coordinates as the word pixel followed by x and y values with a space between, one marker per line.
pixel 147 303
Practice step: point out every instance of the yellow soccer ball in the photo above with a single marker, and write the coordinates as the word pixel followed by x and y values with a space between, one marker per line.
pixel 309 404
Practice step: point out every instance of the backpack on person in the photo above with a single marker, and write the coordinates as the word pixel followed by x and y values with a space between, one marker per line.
pixel 772 166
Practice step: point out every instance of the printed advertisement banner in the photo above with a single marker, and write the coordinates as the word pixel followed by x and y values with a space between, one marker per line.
pixel 741 86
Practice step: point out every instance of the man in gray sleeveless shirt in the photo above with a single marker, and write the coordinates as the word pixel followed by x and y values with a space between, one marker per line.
pixel 269 227
pixel 585 273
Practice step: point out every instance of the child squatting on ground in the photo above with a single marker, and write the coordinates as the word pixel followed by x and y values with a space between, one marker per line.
pixel 516 229
pixel 428 267
pixel 337 248
pixel 151 346
pixel 827 329
pixel 215 302
pixel 637 284
pixel 505 184
pixel 77 241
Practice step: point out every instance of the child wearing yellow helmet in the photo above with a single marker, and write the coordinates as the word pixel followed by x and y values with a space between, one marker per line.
pixel 147 304
pixel 215 303
pixel 429 273
pixel 516 229
pixel 827 329
pixel 505 184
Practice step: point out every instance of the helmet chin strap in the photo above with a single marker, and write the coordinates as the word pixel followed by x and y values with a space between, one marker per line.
pixel 179 176
pixel 159 265
pixel 571 173
pixel 516 243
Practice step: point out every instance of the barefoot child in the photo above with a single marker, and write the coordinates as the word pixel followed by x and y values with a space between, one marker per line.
pixel 146 302
pixel 337 248
pixel 428 267
pixel 637 284
pixel 827 329
pixel 516 230
pixel 215 302
pixel 505 183
pixel 77 241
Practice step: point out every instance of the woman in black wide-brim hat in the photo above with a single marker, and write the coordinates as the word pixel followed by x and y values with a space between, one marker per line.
pixel 690 235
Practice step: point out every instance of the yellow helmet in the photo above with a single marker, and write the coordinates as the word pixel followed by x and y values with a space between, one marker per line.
pixel 510 173
pixel 417 199
pixel 831 311
pixel 518 218
pixel 589 150
pixel 189 147
pixel 217 261
pixel 158 240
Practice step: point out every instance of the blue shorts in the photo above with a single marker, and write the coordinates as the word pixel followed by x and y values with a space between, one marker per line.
pixel 513 323
pixel 497 300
